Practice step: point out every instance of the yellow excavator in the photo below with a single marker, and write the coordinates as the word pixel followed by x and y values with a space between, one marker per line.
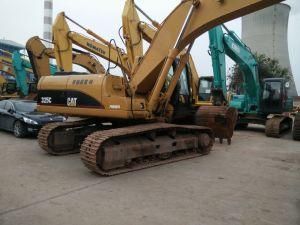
pixel 140 106
pixel 221 119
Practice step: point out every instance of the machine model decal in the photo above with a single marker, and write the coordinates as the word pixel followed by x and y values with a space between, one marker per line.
pixel 114 106
pixel 95 48
pixel 67 99
pixel 46 100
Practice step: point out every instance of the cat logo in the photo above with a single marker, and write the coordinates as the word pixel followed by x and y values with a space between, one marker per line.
pixel 72 102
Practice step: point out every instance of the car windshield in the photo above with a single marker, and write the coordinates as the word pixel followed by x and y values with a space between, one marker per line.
pixel 25 106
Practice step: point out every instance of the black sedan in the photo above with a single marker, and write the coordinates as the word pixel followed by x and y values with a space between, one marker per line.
pixel 21 117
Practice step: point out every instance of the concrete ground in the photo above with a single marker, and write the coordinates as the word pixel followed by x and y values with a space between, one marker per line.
pixel 254 181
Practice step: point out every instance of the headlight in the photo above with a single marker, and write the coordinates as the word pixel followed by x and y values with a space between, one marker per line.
pixel 29 121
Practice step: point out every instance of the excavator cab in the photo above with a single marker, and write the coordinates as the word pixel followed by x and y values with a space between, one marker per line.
pixel 208 93
pixel 274 96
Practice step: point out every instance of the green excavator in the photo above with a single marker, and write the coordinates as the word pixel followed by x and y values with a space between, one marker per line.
pixel 22 82
pixel 260 102
pixel 25 85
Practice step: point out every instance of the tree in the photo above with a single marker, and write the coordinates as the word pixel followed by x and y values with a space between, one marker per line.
pixel 267 68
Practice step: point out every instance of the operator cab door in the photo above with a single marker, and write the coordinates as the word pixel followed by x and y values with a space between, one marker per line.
pixel 273 95
pixel 182 98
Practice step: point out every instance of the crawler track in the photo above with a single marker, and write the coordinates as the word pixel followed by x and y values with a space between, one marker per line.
pixel 296 130
pixel 65 137
pixel 122 150
pixel 277 125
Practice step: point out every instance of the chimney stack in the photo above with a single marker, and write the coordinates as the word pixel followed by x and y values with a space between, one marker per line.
pixel 48 12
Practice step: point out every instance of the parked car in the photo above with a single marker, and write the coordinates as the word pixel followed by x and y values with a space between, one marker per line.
pixel 22 118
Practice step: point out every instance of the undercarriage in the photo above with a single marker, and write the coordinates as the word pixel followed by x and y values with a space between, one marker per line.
pixel 110 150
pixel 278 125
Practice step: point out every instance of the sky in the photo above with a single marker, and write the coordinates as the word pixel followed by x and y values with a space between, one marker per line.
pixel 20 20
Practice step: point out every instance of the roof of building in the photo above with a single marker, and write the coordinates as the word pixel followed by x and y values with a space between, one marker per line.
pixel 11 43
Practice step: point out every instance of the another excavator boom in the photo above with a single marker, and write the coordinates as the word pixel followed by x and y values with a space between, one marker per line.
pixel 40 55
pixel 131 34
pixel 135 31
pixel 63 39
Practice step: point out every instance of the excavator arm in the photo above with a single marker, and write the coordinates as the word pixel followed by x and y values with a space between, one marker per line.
pixel 64 38
pixel 40 59
pixel 217 53
pixel 135 31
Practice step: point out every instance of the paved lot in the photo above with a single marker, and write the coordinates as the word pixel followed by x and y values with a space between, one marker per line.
pixel 254 181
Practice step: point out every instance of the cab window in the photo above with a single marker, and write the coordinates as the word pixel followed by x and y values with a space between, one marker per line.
pixel 184 87
pixel 272 90
pixel 184 84
pixel 168 79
